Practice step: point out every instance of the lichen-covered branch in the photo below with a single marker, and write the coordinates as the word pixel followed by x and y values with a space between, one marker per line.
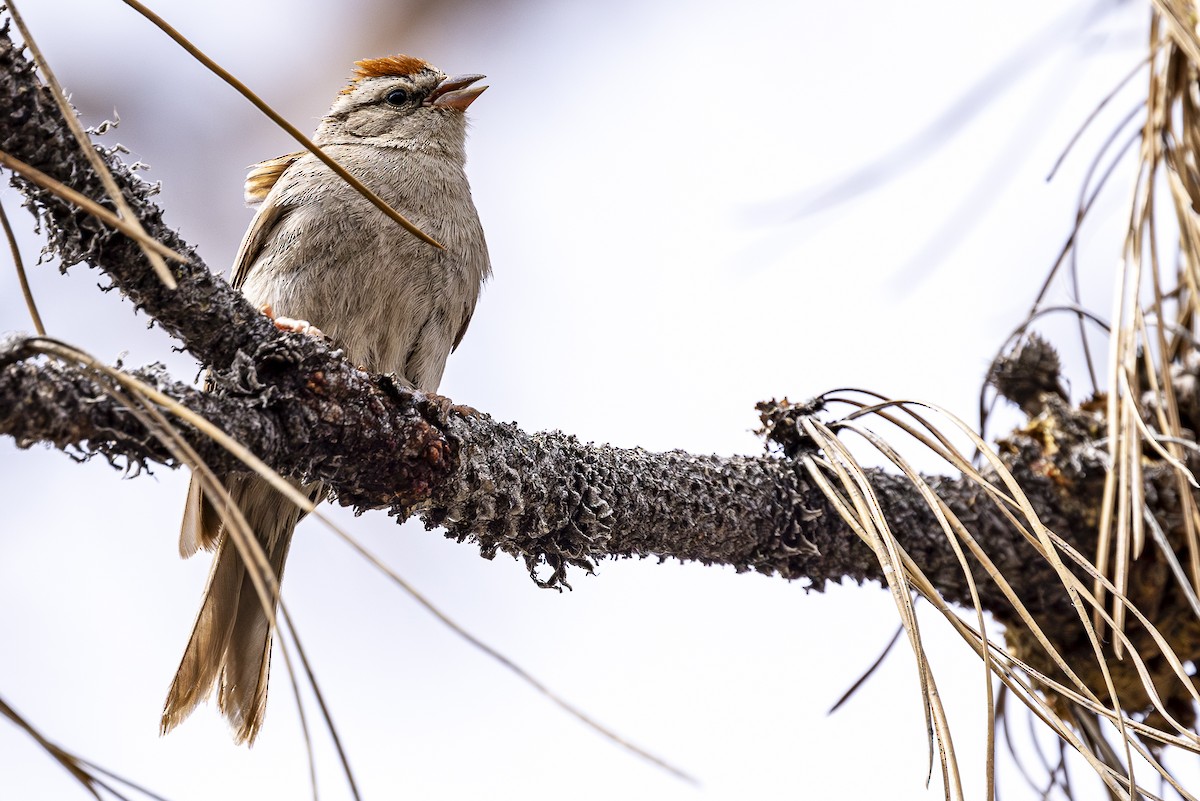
pixel 546 498
pixel 394 453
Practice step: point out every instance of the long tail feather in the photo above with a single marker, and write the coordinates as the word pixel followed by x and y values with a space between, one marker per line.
pixel 230 644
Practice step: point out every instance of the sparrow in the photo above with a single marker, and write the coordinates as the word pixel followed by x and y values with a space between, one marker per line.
pixel 335 265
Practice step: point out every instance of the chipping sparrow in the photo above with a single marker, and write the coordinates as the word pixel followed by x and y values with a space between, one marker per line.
pixel 318 251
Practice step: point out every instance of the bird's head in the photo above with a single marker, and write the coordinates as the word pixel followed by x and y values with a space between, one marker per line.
pixel 401 101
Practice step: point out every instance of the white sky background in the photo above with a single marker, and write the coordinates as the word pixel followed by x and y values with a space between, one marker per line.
pixel 637 167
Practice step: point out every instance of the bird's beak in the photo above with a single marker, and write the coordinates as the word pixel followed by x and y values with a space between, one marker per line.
pixel 456 93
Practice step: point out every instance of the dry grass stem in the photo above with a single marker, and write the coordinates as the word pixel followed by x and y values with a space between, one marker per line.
pixel 22 278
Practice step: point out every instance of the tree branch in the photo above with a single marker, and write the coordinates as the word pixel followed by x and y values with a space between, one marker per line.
pixel 546 498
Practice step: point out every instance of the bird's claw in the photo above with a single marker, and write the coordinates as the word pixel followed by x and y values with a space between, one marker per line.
pixel 290 323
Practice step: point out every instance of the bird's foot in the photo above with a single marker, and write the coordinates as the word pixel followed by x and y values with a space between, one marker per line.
pixel 447 407
pixel 290 323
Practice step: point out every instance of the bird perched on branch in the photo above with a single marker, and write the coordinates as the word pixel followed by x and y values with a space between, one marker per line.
pixel 320 253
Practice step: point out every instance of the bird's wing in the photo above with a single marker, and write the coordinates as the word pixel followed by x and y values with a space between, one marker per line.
pixel 468 310
pixel 256 237
pixel 262 177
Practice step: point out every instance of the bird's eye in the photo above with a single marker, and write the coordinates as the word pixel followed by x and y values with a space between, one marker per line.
pixel 396 97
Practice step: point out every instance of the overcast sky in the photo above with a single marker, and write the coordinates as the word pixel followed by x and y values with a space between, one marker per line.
pixel 642 171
